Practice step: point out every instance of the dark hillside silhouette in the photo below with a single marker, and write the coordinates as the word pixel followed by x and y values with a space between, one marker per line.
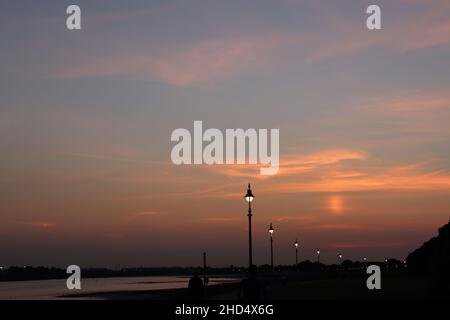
pixel 433 259
pixel 433 255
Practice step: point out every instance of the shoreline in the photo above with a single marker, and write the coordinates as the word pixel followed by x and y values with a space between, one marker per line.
pixel 395 287
pixel 211 292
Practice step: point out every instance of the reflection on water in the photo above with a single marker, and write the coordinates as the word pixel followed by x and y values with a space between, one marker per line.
pixel 48 289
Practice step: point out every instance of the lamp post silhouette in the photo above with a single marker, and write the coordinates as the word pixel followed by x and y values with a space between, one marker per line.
pixel 271 245
pixel 205 280
pixel 249 197
pixel 296 252
pixel 318 255
pixel 340 258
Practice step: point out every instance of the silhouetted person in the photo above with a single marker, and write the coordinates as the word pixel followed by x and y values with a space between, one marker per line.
pixel 196 288
pixel 252 288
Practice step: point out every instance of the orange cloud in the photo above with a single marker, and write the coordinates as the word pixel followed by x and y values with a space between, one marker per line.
pixel 327 157
pixel 38 224
pixel 396 178
pixel 143 214
pixel 292 165
pixel 223 219
pixel 327 171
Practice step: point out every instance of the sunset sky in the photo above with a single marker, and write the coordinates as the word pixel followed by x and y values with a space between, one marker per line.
pixel 86 118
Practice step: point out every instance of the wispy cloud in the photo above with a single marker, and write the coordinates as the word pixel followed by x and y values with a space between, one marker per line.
pixel 361 245
pixel 338 226
pixel 38 224
pixel 143 214
pixel 299 217
pixel 201 61
pixel 411 102
pixel 293 164
pixel 198 62
pixel 413 177
pixel 424 27
pixel 328 171
pixel 223 219
pixel 106 157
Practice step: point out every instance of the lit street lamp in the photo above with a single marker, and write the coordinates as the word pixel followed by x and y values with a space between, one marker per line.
pixel 296 252
pixel 318 255
pixel 340 258
pixel 271 245
pixel 249 197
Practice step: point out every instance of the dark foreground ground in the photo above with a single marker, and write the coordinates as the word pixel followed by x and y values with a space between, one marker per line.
pixel 393 287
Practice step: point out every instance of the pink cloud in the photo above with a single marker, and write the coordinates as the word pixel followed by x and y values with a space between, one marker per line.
pixel 413 103
pixel 427 26
pixel 189 64
pixel 185 64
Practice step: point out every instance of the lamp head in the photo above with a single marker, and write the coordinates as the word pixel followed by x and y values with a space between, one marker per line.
pixel 271 229
pixel 249 196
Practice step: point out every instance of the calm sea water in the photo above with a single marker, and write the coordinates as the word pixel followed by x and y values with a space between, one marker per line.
pixel 48 289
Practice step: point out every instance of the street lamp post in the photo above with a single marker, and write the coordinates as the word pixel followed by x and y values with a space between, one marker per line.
pixel 271 245
pixel 205 281
pixel 296 252
pixel 249 197
pixel 318 255
pixel 340 258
